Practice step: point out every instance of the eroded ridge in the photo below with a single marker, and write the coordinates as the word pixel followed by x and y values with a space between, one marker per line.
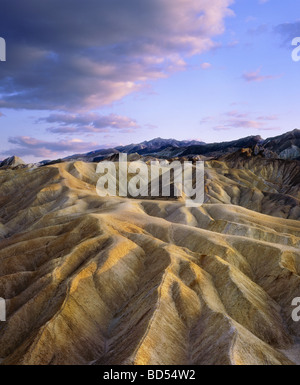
pixel 92 280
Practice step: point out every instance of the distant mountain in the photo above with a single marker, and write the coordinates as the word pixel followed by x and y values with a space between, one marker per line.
pixel 145 148
pixel 286 146
pixel 156 144
pixel 171 148
pixel 13 161
pixel 219 149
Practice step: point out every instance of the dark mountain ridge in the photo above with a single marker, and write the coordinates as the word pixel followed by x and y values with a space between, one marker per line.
pixel 286 146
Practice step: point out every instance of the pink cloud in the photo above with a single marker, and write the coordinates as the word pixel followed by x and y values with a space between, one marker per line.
pixel 244 120
pixel 206 66
pixel 26 145
pixel 89 122
pixel 255 76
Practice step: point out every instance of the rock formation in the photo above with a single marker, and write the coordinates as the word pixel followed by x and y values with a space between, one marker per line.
pixel 12 162
pixel 92 280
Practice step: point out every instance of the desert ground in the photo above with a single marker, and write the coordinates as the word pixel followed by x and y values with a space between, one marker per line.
pixel 91 280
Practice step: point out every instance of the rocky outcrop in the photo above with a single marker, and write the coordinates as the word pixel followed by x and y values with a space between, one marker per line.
pixel 12 162
pixel 287 146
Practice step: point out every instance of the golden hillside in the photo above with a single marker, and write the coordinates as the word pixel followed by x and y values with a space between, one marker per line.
pixel 92 280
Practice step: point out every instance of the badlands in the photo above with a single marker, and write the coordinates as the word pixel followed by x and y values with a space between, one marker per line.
pixel 91 280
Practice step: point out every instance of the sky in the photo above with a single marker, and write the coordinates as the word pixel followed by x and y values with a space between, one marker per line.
pixel 84 75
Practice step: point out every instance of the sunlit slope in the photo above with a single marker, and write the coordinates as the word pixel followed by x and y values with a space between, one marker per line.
pixel 92 280
pixel 269 186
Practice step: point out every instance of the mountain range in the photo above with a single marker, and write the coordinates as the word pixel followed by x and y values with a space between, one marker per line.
pixel 286 146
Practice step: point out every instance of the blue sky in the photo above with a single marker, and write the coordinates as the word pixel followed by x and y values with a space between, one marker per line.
pixel 114 72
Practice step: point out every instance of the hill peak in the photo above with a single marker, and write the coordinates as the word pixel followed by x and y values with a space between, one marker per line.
pixel 12 161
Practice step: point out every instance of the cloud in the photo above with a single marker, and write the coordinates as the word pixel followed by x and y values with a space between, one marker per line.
pixel 235 119
pixel 268 117
pixel 207 119
pixel 89 122
pixel 25 145
pixel 236 114
pixel 255 76
pixel 80 55
pixel 288 31
pixel 239 123
pixel 206 66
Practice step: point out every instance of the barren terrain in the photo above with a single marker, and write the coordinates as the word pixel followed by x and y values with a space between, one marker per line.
pixel 92 280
